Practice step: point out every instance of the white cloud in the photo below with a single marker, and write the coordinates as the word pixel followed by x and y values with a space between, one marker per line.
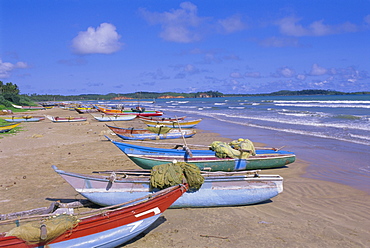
pixel 284 72
pixel 290 26
pixel 178 25
pixel 104 39
pixel 280 42
pixel 367 19
pixel 253 74
pixel 232 24
pixel 316 70
pixel 6 68
pixel 236 75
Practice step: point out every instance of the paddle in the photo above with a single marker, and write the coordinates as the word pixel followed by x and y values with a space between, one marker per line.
pixel 186 148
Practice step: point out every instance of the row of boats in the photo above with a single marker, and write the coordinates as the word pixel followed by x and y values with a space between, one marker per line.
pixel 130 202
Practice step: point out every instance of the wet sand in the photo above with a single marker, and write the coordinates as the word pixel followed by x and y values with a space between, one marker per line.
pixel 309 213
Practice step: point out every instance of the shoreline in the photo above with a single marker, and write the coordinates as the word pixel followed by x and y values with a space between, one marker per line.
pixel 308 213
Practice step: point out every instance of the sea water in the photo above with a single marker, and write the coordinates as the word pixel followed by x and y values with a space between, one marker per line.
pixel 332 133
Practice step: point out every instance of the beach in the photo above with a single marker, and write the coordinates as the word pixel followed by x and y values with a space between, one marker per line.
pixel 308 213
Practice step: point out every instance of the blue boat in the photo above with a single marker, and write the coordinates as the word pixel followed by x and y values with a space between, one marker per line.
pixel 147 157
pixel 220 189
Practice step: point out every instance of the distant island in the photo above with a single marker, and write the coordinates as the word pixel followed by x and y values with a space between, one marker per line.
pixel 10 94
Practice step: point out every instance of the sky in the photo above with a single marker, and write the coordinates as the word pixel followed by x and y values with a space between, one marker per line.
pixel 72 47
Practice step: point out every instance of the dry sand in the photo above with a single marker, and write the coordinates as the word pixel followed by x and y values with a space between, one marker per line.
pixel 309 213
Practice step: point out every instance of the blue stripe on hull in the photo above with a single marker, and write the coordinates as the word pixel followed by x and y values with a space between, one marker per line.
pixel 110 238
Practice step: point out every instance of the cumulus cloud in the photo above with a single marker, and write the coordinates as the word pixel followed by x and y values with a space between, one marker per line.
pixel 279 42
pixel 232 24
pixel 317 70
pixel 104 39
pixel 6 68
pixel 290 26
pixel 178 25
pixel 254 74
pixel 284 72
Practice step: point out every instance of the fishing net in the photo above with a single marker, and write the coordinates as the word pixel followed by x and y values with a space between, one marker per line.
pixel 167 175
pixel 241 148
pixel 55 226
pixel 159 129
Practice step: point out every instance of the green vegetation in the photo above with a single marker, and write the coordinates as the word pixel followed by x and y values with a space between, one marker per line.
pixel 9 93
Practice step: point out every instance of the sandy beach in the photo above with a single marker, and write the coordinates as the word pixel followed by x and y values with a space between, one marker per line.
pixel 309 213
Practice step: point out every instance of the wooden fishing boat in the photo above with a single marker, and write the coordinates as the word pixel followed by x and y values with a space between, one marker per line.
pixel 147 157
pixel 173 123
pixel 162 118
pixel 109 226
pixel 7 128
pixel 84 110
pixel 28 107
pixel 220 189
pixel 25 118
pixel 65 119
pixel 104 117
pixel 145 134
pixel 110 111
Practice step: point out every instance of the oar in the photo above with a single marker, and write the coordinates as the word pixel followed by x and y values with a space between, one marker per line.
pixel 182 135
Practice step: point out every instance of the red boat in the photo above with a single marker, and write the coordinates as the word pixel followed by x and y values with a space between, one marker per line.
pixel 107 227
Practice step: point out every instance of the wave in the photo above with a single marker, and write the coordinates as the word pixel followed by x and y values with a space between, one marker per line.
pixel 321 101
pixel 310 105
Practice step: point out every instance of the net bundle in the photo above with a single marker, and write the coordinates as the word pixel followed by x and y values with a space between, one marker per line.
pixel 167 175
pixel 55 226
pixel 159 129
pixel 241 148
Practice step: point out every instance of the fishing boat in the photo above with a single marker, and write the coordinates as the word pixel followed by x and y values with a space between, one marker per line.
pixel 162 118
pixel 65 119
pixel 84 110
pixel 220 189
pixel 110 111
pixel 7 128
pixel 105 227
pixel 172 123
pixel 147 157
pixel 25 118
pixel 104 117
pixel 154 134
pixel 28 107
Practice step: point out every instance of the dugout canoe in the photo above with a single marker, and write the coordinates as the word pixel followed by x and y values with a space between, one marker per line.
pixel 173 123
pixel 147 157
pixel 145 134
pixel 220 189
pixel 7 128
pixel 105 227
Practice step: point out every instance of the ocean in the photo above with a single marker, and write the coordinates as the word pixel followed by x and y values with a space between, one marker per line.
pixel 331 133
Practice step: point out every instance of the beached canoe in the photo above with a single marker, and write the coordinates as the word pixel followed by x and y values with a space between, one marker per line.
pixel 110 111
pixel 162 118
pixel 147 157
pixel 7 128
pixel 25 118
pixel 220 189
pixel 28 107
pixel 105 227
pixel 104 117
pixel 65 119
pixel 173 123
pixel 83 110
pixel 145 134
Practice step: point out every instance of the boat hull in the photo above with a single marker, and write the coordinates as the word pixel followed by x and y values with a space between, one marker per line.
pixel 109 228
pixel 222 190
pixel 173 124
pixel 147 157
pixel 7 128
pixel 214 163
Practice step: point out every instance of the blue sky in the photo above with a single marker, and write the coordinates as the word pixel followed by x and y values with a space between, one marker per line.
pixel 72 47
